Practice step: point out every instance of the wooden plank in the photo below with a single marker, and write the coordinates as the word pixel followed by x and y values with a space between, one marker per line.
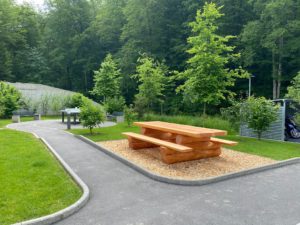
pixel 225 142
pixel 179 148
pixel 169 157
pixel 180 139
pixel 181 129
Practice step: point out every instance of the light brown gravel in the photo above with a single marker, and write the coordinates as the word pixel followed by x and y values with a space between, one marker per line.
pixel 229 161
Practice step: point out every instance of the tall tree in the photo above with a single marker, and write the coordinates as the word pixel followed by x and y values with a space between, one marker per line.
pixel 272 40
pixel 151 78
pixel 207 76
pixel 107 79
pixel 65 24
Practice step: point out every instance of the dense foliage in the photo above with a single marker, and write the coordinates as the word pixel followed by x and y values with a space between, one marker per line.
pixel 91 115
pixel 9 100
pixel 63 45
pixel 259 113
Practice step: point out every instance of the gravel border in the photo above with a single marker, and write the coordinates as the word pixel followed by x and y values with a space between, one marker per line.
pixel 62 214
pixel 199 182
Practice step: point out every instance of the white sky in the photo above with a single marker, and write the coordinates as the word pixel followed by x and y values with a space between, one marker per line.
pixel 36 3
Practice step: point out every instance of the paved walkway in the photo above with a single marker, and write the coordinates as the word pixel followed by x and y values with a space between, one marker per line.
pixel 121 196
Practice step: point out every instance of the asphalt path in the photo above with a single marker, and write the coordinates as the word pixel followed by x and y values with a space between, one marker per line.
pixel 122 196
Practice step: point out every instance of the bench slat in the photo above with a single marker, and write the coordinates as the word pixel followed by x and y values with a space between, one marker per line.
pixel 225 142
pixel 167 144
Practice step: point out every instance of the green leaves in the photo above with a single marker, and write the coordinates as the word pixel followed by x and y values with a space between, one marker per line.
pixel 107 79
pixel 207 78
pixel 91 115
pixel 259 113
pixel 9 100
pixel 151 79
pixel 294 89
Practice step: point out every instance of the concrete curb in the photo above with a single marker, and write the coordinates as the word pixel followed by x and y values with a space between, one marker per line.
pixel 170 180
pixel 62 214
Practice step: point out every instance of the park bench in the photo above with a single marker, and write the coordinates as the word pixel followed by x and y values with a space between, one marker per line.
pixel 177 142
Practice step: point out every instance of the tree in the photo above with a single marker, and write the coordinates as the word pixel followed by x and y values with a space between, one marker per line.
pixel 107 79
pixel 9 100
pixel 151 78
pixel 91 116
pixel 130 115
pixel 271 42
pixel 294 89
pixel 207 79
pixel 259 113
pixel 64 29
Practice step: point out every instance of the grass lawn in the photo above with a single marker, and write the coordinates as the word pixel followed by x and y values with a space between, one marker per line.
pixel 107 133
pixel 271 149
pixel 33 183
pixel 4 122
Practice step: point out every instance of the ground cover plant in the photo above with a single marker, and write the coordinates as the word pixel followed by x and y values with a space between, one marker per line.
pixel 33 184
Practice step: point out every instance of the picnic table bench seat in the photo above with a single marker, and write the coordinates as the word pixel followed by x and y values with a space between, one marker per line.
pixel 224 142
pixel 158 142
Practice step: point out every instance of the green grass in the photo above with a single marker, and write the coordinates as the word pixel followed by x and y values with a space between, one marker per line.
pixel 4 122
pixel 107 133
pixel 270 149
pixel 32 182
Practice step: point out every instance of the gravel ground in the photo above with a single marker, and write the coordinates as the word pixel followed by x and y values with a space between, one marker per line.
pixel 229 161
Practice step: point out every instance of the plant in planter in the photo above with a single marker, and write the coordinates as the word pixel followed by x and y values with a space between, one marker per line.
pixel 259 113
pixel 115 105
pixel 130 115
pixel 91 116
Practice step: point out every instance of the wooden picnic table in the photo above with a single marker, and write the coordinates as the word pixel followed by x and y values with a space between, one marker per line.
pixel 178 142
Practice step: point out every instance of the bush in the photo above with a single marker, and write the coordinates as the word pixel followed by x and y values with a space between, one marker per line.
pixel 115 104
pixel 259 113
pixel 233 114
pixel 130 115
pixel 78 100
pixel 91 116
pixel 9 100
pixel 297 119
pixel 140 106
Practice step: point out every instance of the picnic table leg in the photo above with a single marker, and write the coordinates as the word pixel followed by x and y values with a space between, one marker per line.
pixel 69 122
pixel 138 144
pixel 202 148
pixel 158 134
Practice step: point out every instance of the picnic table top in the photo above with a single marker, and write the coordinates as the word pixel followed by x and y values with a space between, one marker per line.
pixel 71 110
pixel 186 130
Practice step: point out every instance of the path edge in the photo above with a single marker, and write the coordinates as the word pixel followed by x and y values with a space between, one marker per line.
pixel 198 182
pixel 70 210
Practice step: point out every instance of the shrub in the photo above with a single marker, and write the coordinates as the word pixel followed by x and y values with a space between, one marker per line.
pixel 78 100
pixel 91 116
pixel 297 119
pixel 294 89
pixel 140 106
pixel 232 114
pixel 130 115
pixel 9 100
pixel 115 104
pixel 259 113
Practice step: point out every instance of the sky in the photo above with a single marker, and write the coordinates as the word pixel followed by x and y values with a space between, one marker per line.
pixel 36 3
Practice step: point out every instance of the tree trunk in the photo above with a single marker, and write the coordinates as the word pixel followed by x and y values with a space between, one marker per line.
pixel 204 109
pixel 279 76
pixel 274 75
